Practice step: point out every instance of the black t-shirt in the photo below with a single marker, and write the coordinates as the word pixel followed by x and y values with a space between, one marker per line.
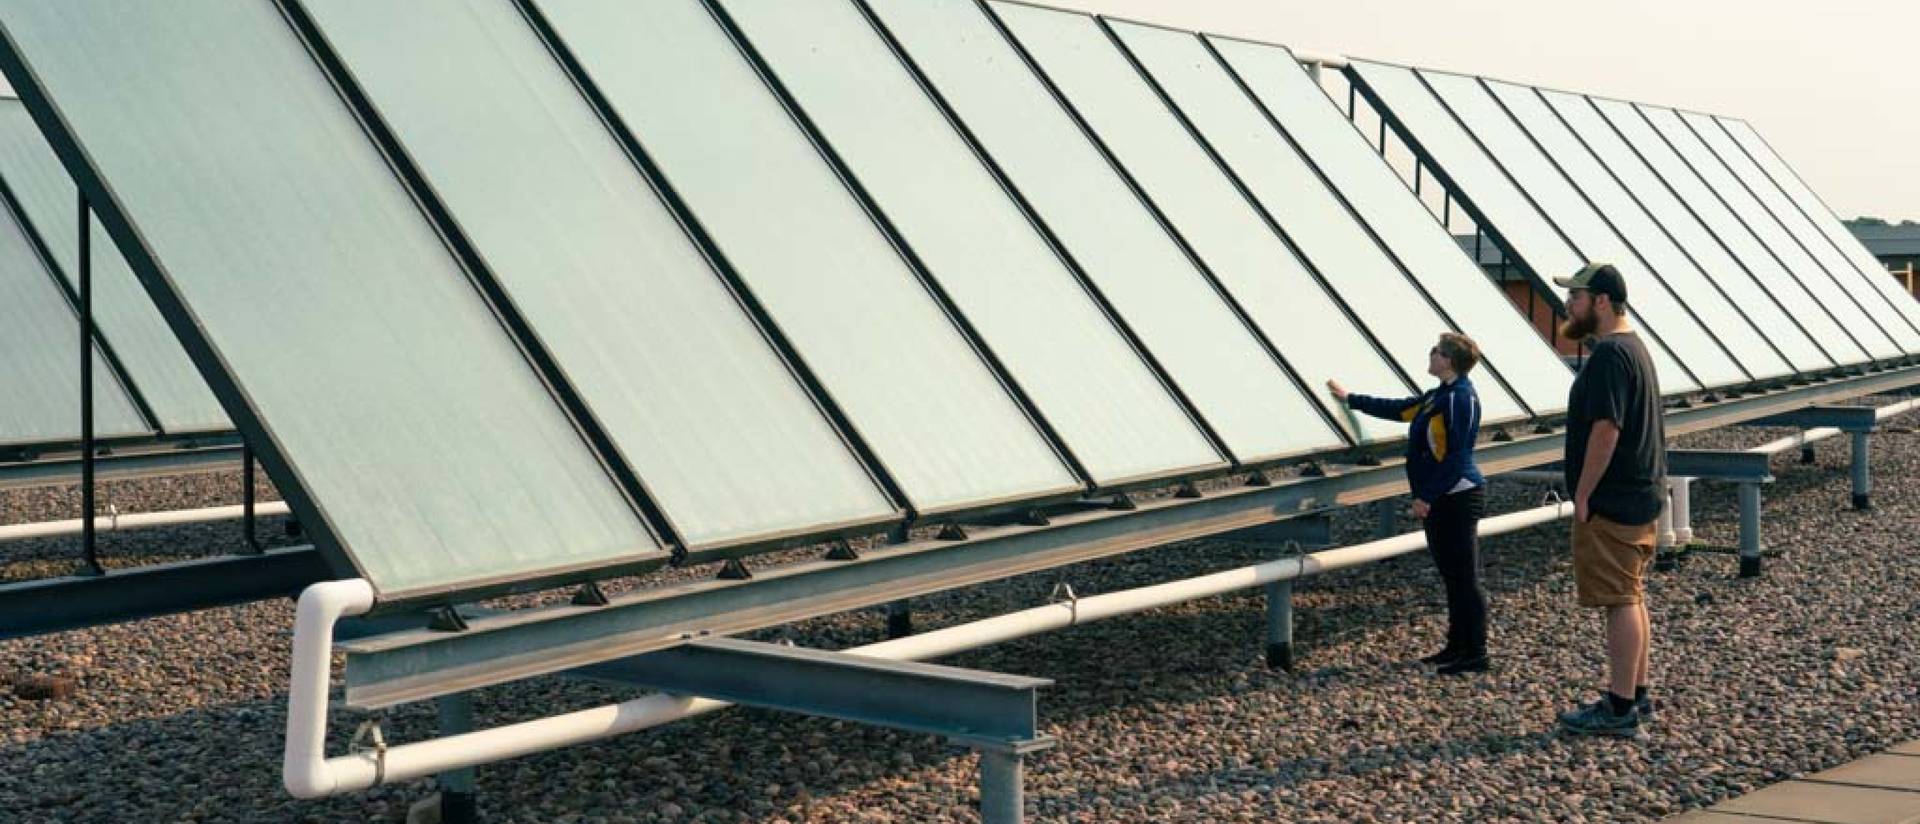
pixel 1618 384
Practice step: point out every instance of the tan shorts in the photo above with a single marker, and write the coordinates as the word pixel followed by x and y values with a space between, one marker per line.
pixel 1610 562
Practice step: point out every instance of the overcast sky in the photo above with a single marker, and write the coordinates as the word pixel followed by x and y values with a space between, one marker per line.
pixel 1834 86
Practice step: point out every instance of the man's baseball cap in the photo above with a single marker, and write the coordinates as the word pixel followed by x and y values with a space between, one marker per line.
pixel 1598 278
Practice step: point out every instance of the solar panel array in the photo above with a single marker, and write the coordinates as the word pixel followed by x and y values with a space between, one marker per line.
pixel 148 386
pixel 1735 270
pixel 520 291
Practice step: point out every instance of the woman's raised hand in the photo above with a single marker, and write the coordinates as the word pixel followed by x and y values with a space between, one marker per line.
pixel 1339 392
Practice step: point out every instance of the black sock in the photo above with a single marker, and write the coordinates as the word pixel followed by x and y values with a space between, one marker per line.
pixel 1639 695
pixel 1619 706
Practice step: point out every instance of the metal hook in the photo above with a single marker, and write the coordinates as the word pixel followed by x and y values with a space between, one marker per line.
pixel 1073 600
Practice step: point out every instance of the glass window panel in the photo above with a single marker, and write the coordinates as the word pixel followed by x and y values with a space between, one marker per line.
pixel 1772 238
pixel 1822 217
pixel 1112 411
pixel 1237 387
pixel 39 338
pixel 1636 227
pixel 1808 239
pixel 722 433
pixel 1688 232
pixel 936 415
pixel 1375 289
pixel 1588 232
pixel 123 313
pixel 1251 262
pixel 1512 347
pixel 1534 240
pixel 1727 230
pixel 432 453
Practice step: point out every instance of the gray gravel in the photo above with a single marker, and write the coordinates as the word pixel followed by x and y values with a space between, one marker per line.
pixel 1166 716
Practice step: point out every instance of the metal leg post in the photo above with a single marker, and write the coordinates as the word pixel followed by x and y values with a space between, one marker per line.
pixel 459 793
pixel 1280 625
pixel 1387 515
pixel 1749 530
pixel 1862 473
pixel 899 618
pixel 1002 775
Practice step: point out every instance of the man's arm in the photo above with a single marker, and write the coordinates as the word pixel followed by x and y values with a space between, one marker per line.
pixel 1600 444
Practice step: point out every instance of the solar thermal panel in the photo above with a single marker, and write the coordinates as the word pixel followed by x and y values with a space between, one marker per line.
pixel 721 431
pixel 1506 209
pixel 1586 230
pixel 1253 264
pixel 950 433
pixel 1109 408
pixel 1282 182
pixel 1688 235
pixel 122 311
pixel 1512 347
pixel 410 432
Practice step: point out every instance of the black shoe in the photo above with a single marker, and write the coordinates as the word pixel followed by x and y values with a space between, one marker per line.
pixel 1644 708
pixel 1466 664
pixel 1442 658
pixel 1598 719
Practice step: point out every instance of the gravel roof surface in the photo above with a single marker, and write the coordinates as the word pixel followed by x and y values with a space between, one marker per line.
pixel 1167 716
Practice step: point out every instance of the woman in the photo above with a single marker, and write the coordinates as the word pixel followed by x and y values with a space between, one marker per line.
pixel 1449 494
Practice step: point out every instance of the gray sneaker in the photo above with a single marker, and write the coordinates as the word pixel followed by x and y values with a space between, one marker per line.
pixel 1598 718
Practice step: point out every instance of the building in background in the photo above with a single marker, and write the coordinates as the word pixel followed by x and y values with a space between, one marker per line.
pixel 1897 245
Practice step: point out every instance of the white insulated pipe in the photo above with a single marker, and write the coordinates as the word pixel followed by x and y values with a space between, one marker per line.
pixel 310 774
pixel 135 520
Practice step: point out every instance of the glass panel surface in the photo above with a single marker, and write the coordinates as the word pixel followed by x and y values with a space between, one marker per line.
pixel 39 370
pixel 936 415
pixel 1727 230
pixel 1822 217
pixel 1250 261
pixel 1535 241
pixel 1216 360
pixel 1648 243
pixel 123 313
pixel 1688 233
pixel 1374 288
pixel 1809 239
pixel 698 403
pixel 1584 227
pixel 1772 238
pixel 1112 411
pixel 1512 347
pixel 432 452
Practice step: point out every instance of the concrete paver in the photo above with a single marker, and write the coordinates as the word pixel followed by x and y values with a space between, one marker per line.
pixel 1829 804
pixel 1888 772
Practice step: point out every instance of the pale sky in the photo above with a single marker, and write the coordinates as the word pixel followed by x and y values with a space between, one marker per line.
pixel 1834 87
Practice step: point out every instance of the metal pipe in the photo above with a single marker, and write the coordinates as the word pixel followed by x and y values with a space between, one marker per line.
pixel 310 774
pixel 1749 530
pixel 1862 473
pixel 110 523
pixel 1280 625
pixel 1313 58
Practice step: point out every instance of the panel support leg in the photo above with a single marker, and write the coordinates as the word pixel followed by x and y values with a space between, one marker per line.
pixel 1862 473
pixel 1280 625
pixel 1387 518
pixel 1749 530
pixel 1002 778
pixel 899 618
pixel 459 790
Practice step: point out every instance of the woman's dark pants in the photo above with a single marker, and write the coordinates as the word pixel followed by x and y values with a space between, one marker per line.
pixel 1453 537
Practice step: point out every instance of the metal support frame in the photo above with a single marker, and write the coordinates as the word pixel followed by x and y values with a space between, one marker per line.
pixel 1307 532
pixel 1843 418
pixel 57 604
pixel 89 548
pixel 191 455
pixel 1386 518
pixel 1280 625
pixel 412 666
pixel 994 714
pixel 1749 470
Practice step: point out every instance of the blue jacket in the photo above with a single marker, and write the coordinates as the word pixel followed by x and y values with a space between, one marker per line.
pixel 1442 426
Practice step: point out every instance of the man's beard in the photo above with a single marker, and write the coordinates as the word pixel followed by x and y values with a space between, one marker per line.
pixel 1578 327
